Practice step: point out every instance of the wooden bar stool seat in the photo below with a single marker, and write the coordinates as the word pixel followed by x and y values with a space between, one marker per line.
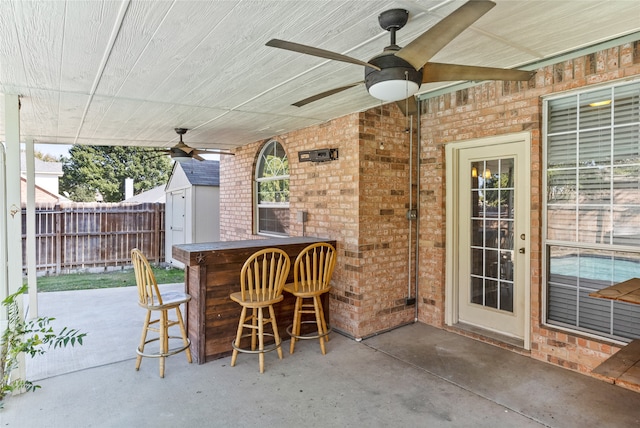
pixel 262 280
pixel 149 297
pixel 312 273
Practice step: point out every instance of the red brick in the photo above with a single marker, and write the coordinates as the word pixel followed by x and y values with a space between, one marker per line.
pixel 360 200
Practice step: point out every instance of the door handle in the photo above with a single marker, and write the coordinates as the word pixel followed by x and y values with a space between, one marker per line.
pixel 521 250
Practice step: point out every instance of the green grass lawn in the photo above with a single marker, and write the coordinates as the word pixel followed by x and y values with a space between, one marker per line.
pixel 122 278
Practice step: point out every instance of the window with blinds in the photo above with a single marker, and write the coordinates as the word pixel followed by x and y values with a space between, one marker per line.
pixel 592 210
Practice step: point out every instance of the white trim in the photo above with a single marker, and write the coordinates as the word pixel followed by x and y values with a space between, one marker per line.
pixel 31 230
pixel 629 80
pixel 452 162
pixel 267 205
pixel 274 178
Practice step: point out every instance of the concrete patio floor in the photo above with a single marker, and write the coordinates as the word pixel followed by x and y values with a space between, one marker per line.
pixel 416 375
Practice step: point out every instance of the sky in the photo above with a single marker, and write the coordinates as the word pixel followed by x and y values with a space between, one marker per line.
pixel 55 150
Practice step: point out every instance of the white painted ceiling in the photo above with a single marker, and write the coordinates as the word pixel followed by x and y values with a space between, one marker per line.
pixel 128 72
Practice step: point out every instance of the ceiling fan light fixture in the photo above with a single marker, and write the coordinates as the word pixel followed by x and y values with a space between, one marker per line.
pixel 396 80
pixel 393 90
pixel 180 156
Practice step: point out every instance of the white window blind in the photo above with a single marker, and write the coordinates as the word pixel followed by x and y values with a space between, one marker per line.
pixel 592 212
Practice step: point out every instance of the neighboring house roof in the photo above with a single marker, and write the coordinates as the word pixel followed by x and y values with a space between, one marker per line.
pixel 200 173
pixel 41 167
pixel 42 196
pixel 157 194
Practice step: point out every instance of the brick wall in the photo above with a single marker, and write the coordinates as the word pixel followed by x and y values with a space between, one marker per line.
pixel 384 244
pixel 500 108
pixel 361 199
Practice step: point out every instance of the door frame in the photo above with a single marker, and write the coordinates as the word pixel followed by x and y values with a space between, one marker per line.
pixel 452 163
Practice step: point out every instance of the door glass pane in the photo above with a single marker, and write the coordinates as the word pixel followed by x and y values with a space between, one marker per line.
pixel 492 232
pixel 506 296
pixel 477 239
pixel 477 262
pixel 506 265
pixel 477 290
pixel 491 293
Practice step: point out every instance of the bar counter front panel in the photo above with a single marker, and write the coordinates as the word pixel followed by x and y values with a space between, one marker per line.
pixel 212 273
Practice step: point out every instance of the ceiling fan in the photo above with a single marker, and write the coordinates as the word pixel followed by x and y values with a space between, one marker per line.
pixel 182 152
pixel 397 73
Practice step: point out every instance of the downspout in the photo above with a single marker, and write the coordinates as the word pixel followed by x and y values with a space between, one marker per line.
pixel 417 270
pixel 410 215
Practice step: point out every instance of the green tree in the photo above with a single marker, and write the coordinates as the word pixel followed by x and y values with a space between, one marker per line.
pixel 45 157
pixel 91 169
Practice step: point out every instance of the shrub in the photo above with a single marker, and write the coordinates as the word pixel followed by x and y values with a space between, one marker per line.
pixel 32 337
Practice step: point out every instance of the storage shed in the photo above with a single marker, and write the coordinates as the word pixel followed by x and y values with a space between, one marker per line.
pixel 193 205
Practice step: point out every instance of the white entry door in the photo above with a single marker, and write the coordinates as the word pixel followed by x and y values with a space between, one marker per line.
pixel 490 212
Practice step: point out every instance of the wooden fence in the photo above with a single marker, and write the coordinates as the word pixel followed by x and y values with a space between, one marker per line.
pixel 87 236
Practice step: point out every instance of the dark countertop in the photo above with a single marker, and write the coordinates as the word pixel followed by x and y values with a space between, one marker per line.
pixel 185 253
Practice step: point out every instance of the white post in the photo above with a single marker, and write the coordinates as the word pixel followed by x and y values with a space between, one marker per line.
pixel 128 188
pixel 4 283
pixel 31 229
pixel 12 224
pixel 12 188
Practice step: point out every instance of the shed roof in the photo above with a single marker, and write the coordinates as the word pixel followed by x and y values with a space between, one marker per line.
pixel 201 173
pixel 157 194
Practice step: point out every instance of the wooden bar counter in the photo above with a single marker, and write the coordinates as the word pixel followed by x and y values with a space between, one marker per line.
pixel 212 273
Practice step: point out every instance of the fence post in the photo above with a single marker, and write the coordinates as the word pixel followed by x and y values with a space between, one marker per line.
pixel 156 221
pixel 58 238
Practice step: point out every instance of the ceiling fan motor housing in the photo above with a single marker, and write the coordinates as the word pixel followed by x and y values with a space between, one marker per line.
pixel 393 71
pixel 177 153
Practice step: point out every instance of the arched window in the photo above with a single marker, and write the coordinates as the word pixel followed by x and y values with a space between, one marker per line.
pixel 272 190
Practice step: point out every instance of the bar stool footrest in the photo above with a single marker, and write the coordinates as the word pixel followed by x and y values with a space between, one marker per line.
pixel 312 335
pixel 166 354
pixel 269 348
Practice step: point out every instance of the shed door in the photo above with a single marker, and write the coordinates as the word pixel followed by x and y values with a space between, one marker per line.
pixel 178 206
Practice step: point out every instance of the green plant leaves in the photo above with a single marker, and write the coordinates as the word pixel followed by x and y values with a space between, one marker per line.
pixel 30 337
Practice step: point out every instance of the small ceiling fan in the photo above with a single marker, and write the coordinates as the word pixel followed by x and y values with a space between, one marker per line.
pixel 181 152
pixel 397 73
